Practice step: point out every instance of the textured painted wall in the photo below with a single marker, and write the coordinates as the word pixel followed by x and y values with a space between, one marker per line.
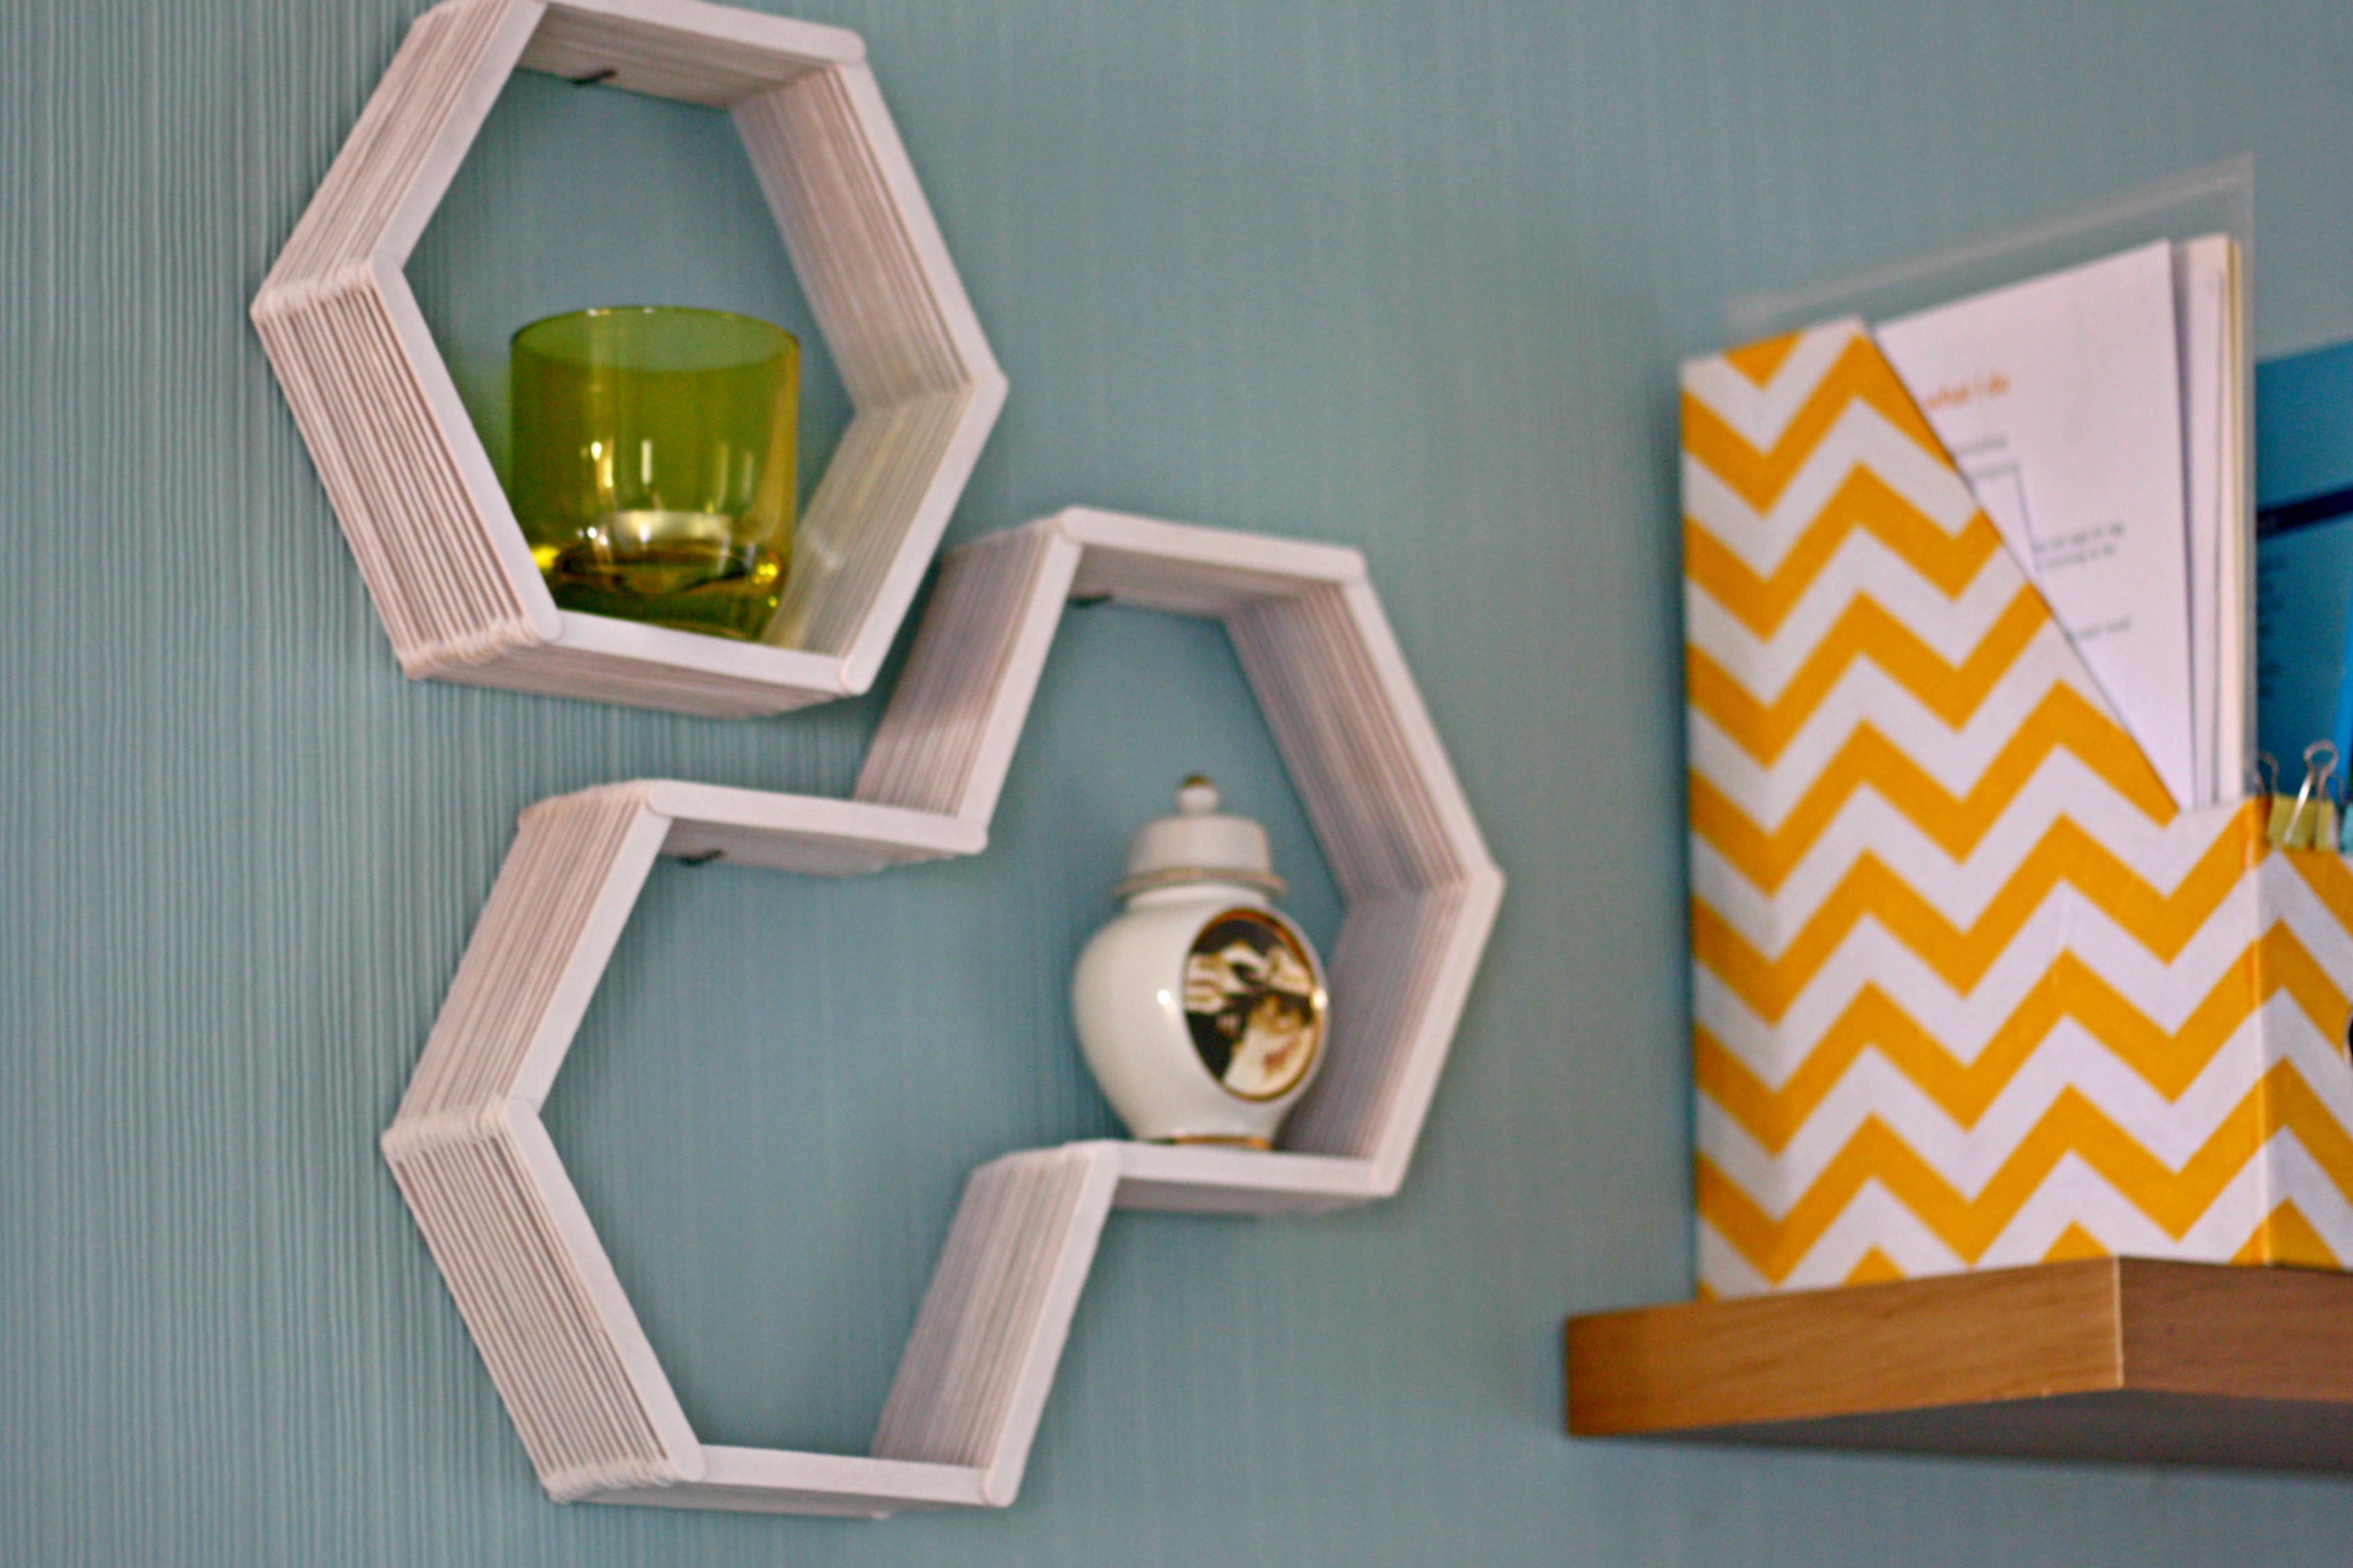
pixel 1406 274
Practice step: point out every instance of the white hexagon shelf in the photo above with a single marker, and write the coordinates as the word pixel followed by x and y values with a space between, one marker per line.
pixel 437 543
pixel 533 1283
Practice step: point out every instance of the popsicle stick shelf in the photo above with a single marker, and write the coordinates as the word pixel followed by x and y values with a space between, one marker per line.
pixel 408 477
pixel 582 1385
pixel 2111 1359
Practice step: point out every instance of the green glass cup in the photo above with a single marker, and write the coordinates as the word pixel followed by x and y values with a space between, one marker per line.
pixel 652 467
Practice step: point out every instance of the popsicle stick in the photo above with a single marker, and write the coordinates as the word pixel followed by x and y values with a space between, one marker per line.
pixel 770 1481
pixel 694 53
pixel 947 738
pixel 973 1382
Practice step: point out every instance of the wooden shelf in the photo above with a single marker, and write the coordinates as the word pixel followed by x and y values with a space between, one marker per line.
pixel 538 1291
pixel 2106 1358
pixel 437 542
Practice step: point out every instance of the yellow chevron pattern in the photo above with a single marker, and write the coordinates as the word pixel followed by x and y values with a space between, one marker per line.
pixel 1967 989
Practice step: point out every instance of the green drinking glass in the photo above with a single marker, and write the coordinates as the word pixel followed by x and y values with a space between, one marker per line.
pixel 653 463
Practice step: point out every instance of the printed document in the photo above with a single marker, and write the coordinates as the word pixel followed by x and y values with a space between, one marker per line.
pixel 2061 400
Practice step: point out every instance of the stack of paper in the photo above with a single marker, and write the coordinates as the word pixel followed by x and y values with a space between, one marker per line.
pixel 2210 283
pixel 2099 415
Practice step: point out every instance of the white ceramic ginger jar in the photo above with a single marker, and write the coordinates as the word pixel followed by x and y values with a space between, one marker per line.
pixel 1200 1008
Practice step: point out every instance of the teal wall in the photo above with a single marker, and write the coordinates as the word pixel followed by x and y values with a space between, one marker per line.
pixel 1407 275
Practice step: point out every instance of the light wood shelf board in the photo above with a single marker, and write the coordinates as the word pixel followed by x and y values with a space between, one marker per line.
pixel 2119 1359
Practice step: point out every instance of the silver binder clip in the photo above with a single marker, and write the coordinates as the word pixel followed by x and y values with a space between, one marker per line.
pixel 2263 772
pixel 2311 823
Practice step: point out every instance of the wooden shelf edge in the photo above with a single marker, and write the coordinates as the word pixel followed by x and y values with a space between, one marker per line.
pixel 2130 1359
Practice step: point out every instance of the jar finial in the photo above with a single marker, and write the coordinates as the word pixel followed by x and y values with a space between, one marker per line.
pixel 1199 843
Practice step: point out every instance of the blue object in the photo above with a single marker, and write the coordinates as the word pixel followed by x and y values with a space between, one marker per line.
pixel 2304 552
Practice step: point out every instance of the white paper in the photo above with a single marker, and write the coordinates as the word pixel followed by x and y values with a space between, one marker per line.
pixel 2235 668
pixel 2220 537
pixel 2206 286
pixel 2199 289
pixel 2060 399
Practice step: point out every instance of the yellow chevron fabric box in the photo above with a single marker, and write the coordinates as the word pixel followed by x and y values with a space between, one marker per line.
pixel 1967 991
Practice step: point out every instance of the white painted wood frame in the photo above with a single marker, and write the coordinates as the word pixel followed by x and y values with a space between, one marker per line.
pixel 533 1283
pixel 407 475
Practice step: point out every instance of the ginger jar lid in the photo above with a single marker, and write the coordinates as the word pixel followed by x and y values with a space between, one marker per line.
pixel 1199 844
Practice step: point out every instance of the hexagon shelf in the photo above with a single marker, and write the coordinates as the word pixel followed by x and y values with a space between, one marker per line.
pixel 533 1283
pixel 406 474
